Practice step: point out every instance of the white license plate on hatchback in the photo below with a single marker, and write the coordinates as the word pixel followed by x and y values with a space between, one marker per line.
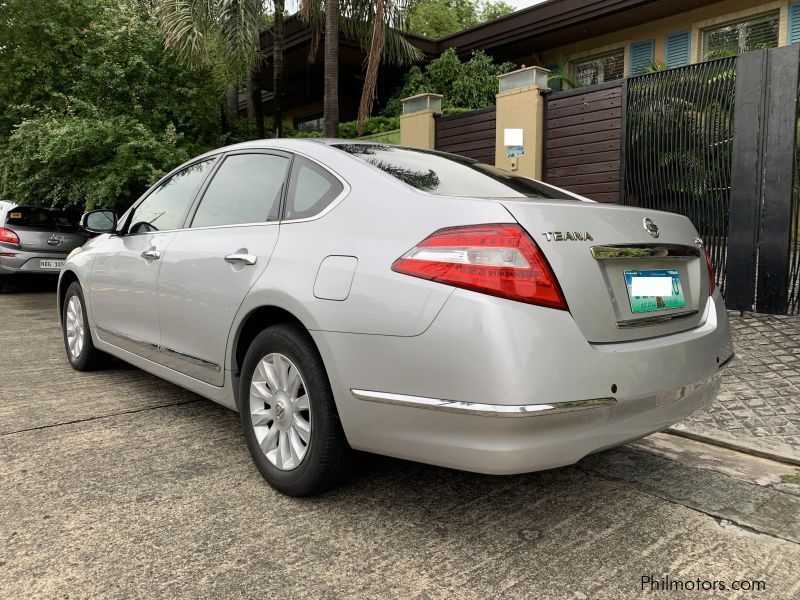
pixel 51 264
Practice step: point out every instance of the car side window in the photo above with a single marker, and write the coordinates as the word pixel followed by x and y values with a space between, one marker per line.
pixel 246 189
pixel 166 206
pixel 311 189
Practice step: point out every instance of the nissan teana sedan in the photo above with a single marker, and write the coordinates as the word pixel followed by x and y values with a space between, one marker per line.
pixel 356 296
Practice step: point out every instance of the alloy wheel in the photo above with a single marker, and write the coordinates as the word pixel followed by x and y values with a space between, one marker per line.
pixel 76 333
pixel 280 411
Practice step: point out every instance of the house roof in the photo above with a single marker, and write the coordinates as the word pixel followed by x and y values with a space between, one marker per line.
pixel 541 27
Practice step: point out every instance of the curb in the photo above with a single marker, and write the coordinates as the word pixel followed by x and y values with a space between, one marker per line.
pixel 781 454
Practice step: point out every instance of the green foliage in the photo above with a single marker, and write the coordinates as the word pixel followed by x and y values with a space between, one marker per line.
pixel 471 84
pixel 372 126
pixel 440 18
pixel 494 10
pixel 90 161
pixel 96 109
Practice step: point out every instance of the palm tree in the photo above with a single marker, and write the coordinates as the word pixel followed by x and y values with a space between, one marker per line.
pixel 369 22
pixel 224 34
pixel 330 103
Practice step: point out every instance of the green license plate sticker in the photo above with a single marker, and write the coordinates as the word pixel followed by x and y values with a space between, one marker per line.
pixel 655 289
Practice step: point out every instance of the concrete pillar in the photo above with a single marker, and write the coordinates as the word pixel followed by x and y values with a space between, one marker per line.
pixel 417 127
pixel 520 107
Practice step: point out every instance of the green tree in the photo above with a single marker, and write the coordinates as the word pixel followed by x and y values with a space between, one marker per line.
pixel 471 84
pixel 96 110
pixel 494 10
pixel 224 35
pixel 372 24
pixel 440 18
pixel 88 160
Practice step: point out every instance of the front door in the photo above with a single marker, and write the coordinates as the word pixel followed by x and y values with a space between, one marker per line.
pixel 213 263
pixel 124 282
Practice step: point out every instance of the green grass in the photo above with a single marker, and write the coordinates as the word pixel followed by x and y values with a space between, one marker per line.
pixel 795 479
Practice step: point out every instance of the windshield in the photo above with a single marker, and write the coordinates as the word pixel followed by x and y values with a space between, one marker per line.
pixel 448 174
pixel 27 216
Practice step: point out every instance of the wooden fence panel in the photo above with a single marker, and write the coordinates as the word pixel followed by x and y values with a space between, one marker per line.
pixel 583 141
pixel 469 134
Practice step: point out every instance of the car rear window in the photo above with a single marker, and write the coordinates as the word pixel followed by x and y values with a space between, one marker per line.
pixel 27 216
pixel 448 174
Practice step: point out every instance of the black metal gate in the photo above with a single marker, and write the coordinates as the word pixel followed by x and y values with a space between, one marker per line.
pixel 717 141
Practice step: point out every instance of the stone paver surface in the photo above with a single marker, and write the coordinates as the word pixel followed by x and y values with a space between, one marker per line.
pixel 760 396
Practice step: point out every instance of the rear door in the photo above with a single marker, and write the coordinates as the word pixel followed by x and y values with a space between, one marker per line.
pixel 213 263
pixel 125 274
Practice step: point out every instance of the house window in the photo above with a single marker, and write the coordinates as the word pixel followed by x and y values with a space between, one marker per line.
pixel 309 123
pixel 742 36
pixel 597 69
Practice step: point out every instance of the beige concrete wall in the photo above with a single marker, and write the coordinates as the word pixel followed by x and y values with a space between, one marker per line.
pixel 418 129
pixel 694 20
pixel 522 108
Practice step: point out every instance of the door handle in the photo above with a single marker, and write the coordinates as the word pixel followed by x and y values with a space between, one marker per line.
pixel 151 255
pixel 240 259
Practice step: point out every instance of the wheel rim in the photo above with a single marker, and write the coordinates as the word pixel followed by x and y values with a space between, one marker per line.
pixel 280 411
pixel 76 333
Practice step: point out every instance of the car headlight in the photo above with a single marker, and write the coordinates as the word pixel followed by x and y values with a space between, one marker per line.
pixel 74 252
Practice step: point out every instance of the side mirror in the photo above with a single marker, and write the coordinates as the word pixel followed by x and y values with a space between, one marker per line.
pixel 99 221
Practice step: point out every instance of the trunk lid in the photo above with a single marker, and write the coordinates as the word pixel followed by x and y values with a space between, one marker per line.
pixel 590 248
pixel 43 230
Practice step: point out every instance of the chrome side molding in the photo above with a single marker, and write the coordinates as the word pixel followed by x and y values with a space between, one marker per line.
pixel 484 410
pixel 644 321
pixel 627 251
pixel 199 368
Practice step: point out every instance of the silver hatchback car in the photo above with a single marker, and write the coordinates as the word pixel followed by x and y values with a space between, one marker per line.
pixel 345 295
pixel 36 241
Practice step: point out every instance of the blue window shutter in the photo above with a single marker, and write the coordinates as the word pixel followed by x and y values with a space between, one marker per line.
pixel 677 49
pixel 642 54
pixel 794 23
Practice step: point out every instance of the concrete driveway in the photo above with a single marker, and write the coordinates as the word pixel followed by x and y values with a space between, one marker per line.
pixel 117 484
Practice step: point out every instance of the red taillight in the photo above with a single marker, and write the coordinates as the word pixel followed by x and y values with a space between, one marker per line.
pixel 501 260
pixel 8 236
pixel 711 283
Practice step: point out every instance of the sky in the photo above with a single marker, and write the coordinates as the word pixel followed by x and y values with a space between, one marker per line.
pixel 523 3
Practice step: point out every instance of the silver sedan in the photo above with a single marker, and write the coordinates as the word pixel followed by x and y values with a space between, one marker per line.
pixel 356 296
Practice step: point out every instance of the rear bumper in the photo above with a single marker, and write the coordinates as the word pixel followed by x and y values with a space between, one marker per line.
pixel 503 446
pixel 28 262
pixel 445 397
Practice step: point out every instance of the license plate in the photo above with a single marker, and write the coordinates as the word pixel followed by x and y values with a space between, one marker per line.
pixel 656 289
pixel 51 264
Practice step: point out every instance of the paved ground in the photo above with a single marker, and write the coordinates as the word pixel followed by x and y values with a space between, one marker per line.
pixel 117 484
pixel 760 398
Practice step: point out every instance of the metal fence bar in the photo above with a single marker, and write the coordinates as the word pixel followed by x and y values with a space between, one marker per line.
pixel 678 147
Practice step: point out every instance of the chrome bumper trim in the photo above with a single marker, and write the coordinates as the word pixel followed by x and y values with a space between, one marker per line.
pixel 644 321
pixel 484 410
pixel 627 251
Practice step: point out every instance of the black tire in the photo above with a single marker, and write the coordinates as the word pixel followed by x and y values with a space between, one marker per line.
pixel 328 456
pixel 89 358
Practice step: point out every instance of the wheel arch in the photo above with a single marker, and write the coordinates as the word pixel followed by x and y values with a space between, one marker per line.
pixel 256 321
pixel 66 279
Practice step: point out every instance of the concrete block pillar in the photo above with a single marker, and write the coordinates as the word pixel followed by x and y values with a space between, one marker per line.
pixel 520 108
pixel 417 126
